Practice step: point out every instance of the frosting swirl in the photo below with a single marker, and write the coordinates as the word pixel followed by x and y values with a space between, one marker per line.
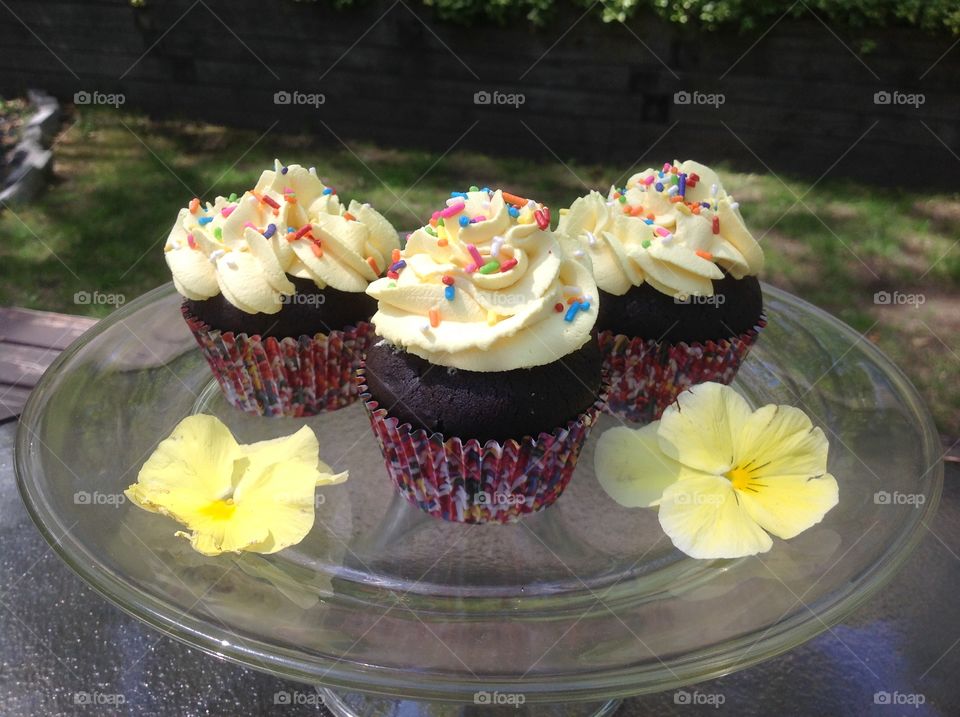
pixel 486 286
pixel 290 223
pixel 675 228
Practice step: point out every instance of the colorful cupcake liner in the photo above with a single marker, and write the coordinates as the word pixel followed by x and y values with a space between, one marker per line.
pixel 287 377
pixel 466 481
pixel 646 375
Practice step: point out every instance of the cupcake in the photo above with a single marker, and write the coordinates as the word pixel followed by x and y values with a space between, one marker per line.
pixel 680 302
pixel 485 381
pixel 274 289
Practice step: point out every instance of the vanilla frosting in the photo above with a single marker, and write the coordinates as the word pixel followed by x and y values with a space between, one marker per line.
pixel 530 299
pixel 289 224
pixel 675 228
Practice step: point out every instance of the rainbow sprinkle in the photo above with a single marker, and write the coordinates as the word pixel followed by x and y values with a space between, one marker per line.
pixel 452 210
pixel 475 255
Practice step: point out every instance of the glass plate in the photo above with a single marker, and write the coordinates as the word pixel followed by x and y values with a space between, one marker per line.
pixel 586 600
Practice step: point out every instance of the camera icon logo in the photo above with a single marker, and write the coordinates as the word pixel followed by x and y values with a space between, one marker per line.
pixel 682 697
pixel 881 698
pixel 81 498
pixel 882 497
pixel 81 297
pixel 482 97
pixel 281 698
pixel 681 98
pixel 482 698
pixel 81 98
pixel 882 97
pixel 282 97
pixel 881 297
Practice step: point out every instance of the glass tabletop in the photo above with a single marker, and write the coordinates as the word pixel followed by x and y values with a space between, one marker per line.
pixel 585 600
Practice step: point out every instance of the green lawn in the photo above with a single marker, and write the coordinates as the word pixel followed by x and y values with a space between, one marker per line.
pixel 120 180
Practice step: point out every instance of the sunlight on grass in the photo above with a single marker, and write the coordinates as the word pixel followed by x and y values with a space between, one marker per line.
pixel 122 178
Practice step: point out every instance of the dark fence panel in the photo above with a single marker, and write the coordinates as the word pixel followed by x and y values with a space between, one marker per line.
pixel 794 98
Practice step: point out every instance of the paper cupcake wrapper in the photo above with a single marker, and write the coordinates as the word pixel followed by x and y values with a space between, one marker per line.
pixel 646 376
pixel 465 481
pixel 288 377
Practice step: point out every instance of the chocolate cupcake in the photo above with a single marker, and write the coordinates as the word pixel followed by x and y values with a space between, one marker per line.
pixel 679 296
pixel 486 381
pixel 274 290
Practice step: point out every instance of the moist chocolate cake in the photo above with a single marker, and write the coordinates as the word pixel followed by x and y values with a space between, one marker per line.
pixel 735 308
pixel 471 404
pixel 308 312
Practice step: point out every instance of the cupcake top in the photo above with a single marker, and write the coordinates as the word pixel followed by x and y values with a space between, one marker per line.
pixel 486 286
pixel 674 228
pixel 290 223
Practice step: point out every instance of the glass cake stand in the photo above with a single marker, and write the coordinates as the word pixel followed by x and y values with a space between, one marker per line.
pixel 390 611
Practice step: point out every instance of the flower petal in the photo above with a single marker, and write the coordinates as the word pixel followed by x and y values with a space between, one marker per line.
pixel 704 519
pixel 278 491
pixel 213 537
pixel 786 506
pixel 781 441
pixel 299 449
pixel 699 429
pixel 631 468
pixel 189 469
pixel 281 501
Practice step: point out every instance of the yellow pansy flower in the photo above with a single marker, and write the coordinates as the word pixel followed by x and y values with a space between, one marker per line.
pixel 725 477
pixel 230 496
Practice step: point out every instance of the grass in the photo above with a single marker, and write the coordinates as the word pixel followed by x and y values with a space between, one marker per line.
pixel 120 180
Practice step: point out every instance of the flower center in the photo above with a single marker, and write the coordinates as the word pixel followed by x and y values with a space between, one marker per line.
pixel 219 509
pixel 740 477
